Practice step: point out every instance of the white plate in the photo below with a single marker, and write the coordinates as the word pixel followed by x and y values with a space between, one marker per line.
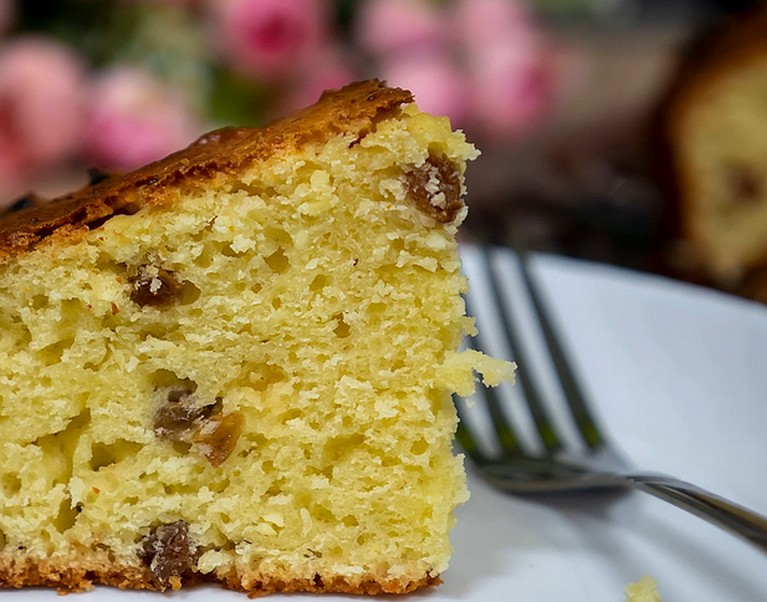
pixel 679 375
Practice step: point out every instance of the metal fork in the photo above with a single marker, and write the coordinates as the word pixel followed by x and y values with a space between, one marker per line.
pixel 511 464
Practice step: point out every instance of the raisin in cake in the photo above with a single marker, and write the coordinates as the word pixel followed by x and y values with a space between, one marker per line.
pixel 714 122
pixel 236 364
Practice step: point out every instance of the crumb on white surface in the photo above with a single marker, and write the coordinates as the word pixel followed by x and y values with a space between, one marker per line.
pixel 644 590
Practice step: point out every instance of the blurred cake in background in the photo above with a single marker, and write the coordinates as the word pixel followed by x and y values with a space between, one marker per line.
pixel 714 128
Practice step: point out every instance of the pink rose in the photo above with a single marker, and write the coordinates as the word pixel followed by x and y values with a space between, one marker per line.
pixel 508 61
pixel 481 23
pixel 439 88
pixel 134 118
pixel 328 70
pixel 509 96
pixel 384 27
pixel 41 102
pixel 270 38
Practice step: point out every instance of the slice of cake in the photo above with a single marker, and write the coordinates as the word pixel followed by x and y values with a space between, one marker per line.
pixel 714 122
pixel 236 364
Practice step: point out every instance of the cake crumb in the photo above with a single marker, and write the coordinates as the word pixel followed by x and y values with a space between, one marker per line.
pixel 644 590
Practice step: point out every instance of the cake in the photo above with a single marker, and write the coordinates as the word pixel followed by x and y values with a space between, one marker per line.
pixel 643 590
pixel 236 364
pixel 714 126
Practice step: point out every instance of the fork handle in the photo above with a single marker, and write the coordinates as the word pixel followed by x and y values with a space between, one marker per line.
pixel 711 507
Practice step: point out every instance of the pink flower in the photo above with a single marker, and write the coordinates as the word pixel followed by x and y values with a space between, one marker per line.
pixel 509 64
pixel 439 87
pixel 385 27
pixel 328 70
pixel 41 101
pixel 270 38
pixel 509 95
pixel 133 118
pixel 480 24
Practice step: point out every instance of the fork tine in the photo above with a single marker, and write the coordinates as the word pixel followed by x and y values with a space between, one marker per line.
pixel 572 390
pixel 543 423
pixel 504 432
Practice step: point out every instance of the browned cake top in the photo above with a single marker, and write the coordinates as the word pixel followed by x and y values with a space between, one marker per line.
pixel 353 110
pixel 714 53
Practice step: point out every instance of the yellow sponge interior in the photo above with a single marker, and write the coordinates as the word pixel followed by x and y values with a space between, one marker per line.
pixel 269 360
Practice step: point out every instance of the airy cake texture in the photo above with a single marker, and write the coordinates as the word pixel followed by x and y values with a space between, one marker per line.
pixel 236 364
pixel 715 121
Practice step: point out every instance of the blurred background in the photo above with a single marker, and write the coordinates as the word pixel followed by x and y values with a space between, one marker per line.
pixel 568 100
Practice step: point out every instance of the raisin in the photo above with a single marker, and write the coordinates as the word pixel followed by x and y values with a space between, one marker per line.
pixel 169 553
pixel 155 286
pixel 744 184
pixel 436 188
pixel 217 436
pixel 177 414
pixel 179 418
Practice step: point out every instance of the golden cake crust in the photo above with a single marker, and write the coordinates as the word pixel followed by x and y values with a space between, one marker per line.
pixel 72 577
pixel 78 576
pixel 351 111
